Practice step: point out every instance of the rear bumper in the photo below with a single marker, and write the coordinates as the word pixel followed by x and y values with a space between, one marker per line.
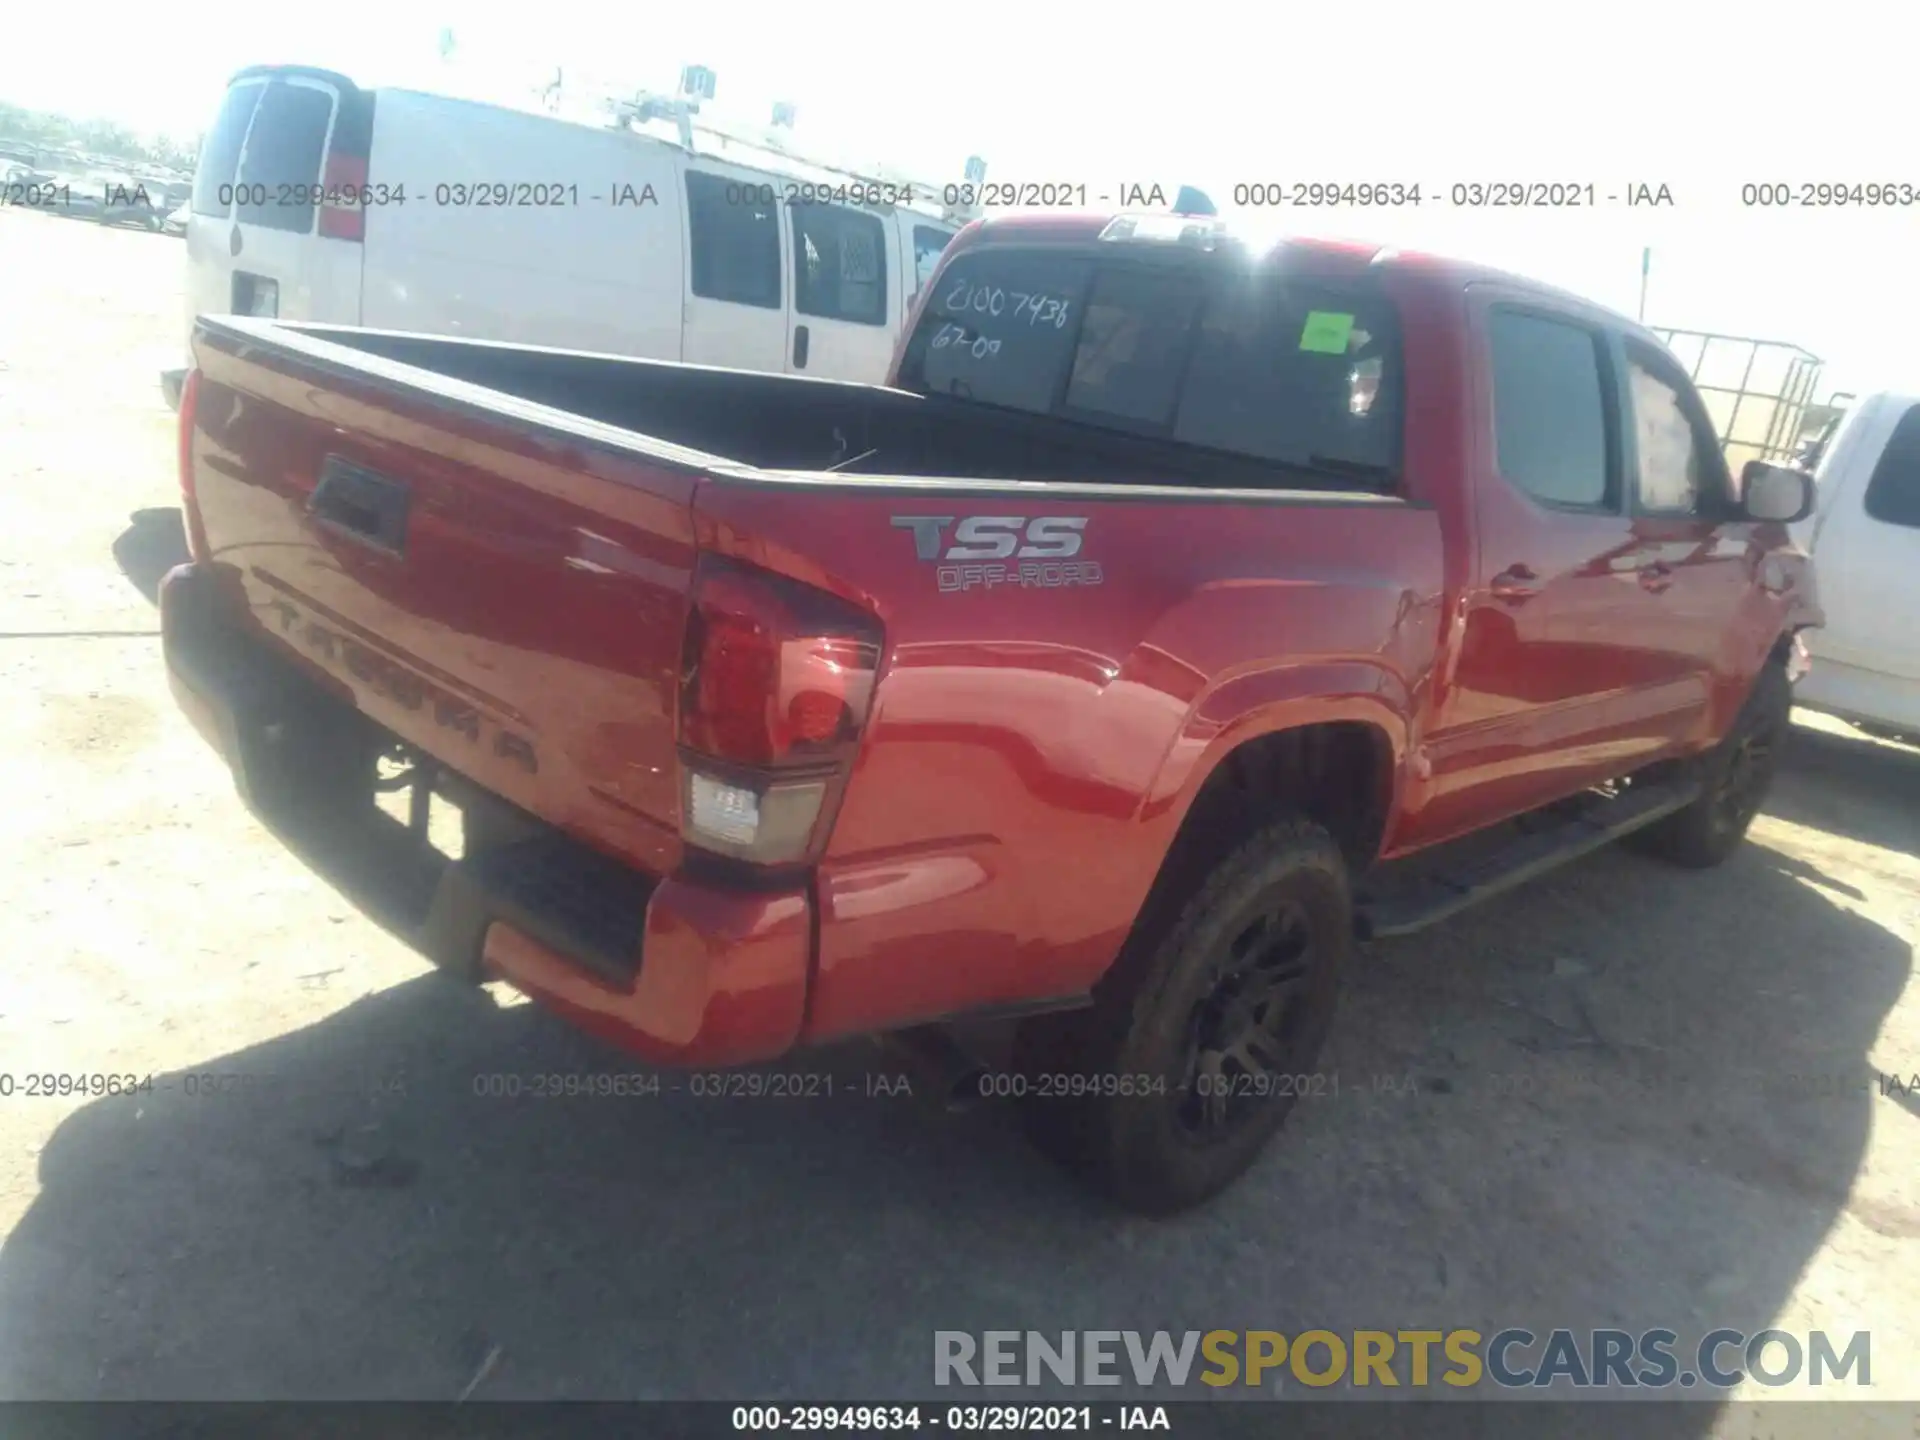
pixel 679 971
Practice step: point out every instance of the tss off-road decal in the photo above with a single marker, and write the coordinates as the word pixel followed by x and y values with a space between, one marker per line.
pixel 976 552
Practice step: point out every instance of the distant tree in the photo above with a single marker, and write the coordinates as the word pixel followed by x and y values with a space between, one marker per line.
pixel 181 153
pixel 108 139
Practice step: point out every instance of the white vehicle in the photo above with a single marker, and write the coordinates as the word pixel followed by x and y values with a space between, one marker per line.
pixel 1864 536
pixel 393 209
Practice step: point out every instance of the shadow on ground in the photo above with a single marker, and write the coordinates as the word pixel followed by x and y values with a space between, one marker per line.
pixel 1849 784
pixel 1586 1106
pixel 153 543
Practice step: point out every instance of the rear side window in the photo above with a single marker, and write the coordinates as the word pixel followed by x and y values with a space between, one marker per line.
pixel 280 171
pixel 1893 494
pixel 734 231
pixel 220 155
pixel 1256 364
pixel 839 264
pixel 1549 409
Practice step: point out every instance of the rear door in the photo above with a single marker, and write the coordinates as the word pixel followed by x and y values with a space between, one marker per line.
pixel 847 278
pixel 1560 679
pixel 734 306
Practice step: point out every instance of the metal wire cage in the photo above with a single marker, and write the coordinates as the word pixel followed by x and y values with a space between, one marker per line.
pixel 1757 392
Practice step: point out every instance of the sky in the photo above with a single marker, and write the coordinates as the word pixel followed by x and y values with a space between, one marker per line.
pixel 1701 98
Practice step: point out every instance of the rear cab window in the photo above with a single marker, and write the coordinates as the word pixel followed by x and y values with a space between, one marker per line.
pixel 1205 350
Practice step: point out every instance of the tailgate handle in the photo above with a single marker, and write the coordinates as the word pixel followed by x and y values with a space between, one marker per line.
pixel 358 503
pixel 799 347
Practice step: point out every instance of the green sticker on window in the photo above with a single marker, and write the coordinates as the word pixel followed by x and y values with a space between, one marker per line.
pixel 1326 332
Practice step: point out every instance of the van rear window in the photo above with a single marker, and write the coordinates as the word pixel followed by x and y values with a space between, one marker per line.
pixel 1254 362
pixel 220 155
pixel 929 244
pixel 281 168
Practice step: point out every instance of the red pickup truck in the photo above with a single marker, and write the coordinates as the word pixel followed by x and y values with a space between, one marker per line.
pixel 1098 675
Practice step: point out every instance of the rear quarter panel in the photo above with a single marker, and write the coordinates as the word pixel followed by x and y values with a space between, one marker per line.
pixel 1033 750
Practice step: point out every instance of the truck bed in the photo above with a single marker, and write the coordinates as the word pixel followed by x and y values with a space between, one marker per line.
pixel 792 423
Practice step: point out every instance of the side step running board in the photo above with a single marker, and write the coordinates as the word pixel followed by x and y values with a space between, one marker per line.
pixel 1434 897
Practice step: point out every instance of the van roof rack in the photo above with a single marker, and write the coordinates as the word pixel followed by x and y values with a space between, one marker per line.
pixel 701 135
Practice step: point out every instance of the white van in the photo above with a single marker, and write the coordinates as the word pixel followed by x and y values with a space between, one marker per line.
pixel 399 210
pixel 1864 536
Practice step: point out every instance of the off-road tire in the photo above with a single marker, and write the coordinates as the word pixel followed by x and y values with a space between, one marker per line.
pixel 1735 777
pixel 1177 976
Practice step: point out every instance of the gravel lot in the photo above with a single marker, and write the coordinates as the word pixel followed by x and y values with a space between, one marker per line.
pixel 1628 1096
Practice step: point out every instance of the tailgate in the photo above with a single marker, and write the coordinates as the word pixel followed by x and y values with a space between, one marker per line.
pixel 508 597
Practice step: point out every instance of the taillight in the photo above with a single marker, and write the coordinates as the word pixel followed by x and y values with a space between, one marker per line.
pixel 190 500
pixel 343 214
pixel 776 685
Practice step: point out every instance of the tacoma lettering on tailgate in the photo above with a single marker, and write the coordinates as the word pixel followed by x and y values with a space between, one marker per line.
pixel 404 687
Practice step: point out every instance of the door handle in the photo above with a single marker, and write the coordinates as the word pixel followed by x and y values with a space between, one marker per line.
pixel 1656 577
pixel 1514 584
pixel 799 347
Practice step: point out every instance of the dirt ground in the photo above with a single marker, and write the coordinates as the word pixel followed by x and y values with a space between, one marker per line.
pixel 1627 1096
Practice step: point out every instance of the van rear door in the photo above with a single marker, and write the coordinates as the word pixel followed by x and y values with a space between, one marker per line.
pixel 849 289
pixel 209 266
pixel 276 229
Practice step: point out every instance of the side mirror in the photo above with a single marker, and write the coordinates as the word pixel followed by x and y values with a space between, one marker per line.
pixel 1776 493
